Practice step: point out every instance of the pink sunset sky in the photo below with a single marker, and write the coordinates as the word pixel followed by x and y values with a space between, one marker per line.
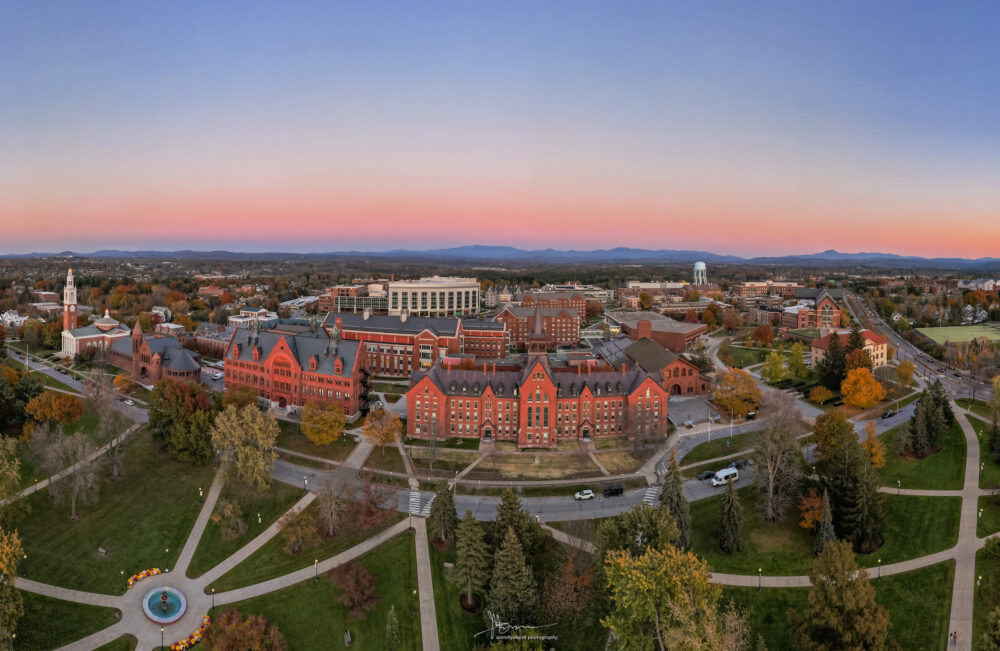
pixel 772 131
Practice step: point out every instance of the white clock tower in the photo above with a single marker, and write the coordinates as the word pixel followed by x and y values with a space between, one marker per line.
pixel 69 303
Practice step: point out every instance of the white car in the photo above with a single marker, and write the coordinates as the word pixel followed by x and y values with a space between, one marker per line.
pixel 586 494
pixel 130 402
pixel 217 376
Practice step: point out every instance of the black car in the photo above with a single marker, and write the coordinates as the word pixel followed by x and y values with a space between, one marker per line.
pixel 739 463
pixel 706 474
pixel 889 413
pixel 613 491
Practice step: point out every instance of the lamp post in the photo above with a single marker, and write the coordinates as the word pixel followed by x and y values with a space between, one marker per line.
pixel 879 570
pixel 201 496
pixel 980 518
pixel 213 598
pixel 258 523
pixel 24 565
pixel 760 578
pixel 899 487
pixel 316 571
pixel 166 565
pixel 979 587
pixel 161 637
pixel 305 482
pixel 124 583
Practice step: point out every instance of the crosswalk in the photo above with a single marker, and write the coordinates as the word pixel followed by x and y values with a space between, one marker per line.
pixel 652 495
pixel 414 502
pixel 426 510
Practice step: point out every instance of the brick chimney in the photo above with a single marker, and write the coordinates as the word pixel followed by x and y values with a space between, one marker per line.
pixel 644 328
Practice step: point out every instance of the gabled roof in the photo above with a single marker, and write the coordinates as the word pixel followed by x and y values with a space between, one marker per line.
pixel 302 347
pixel 413 325
pixel 824 342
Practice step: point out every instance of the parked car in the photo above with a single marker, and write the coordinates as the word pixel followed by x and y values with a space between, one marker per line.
pixel 585 494
pixel 613 491
pixel 724 476
pixel 706 474
pixel 130 402
pixel 889 413
pixel 752 415
pixel 739 463
pixel 217 376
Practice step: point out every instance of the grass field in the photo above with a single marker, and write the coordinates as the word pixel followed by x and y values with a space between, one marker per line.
pixel 522 465
pixel 41 377
pixel 309 615
pixel 271 560
pixel 943 470
pixel 270 505
pixel 962 333
pixel 919 605
pixel 135 520
pixel 292 438
pixel 618 462
pixel 124 643
pixel 51 623
pixel 717 447
pixel 989 477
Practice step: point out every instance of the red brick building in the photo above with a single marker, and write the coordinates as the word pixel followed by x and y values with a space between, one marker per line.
pixel 534 403
pixel 289 370
pixel 819 312
pixel 398 345
pixel 150 358
pixel 560 324
pixel 565 300
pixel 765 288
pixel 676 336
pixel 675 373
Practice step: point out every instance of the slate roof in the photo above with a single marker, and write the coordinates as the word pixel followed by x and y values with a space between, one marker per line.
pixel 813 293
pixel 303 347
pixel 649 355
pixel 413 325
pixel 175 357
pixel 528 311
pixel 92 329
pixel 824 342
pixel 658 322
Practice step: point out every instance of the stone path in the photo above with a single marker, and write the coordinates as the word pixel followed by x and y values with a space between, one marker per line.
pixel 425 583
pixel 356 459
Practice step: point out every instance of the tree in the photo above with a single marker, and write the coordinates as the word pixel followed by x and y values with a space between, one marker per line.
pixel 567 596
pixel 858 359
pixel 230 632
pixel 333 501
pixel 940 399
pixel 229 518
pixel 645 301
pixel 244 440
pixel 842 612
pixel 10 468
pixel 3 342
pixel 995 441
pixel 123 381
pixel 810 508
pixel 239 396
pixel 76 455
pixel 774 367
pixel 832 366
pixel 861 389
pixel 825 532
pixel 172 402
pixel 323 422
pixel 690 317
pixel 820 394
pixel 357 589
pixel 634 530
pixel 731 320
pixel 855 340
pixel 731 523
pixel 916 438
pixel 874 447
pixel 190 440
pixel 663 599
pixel 846 471
pixel 510 515
pixel 111 424
pixel 298 530
pixel 737 392
pixel 672 498
pixel 443 519
pixel 796 361
pixel 993 404
pixel 382 428
pixel 990 639
pixel 778 458
pixel 53 407
pixel 472 558
pixel 11 601
pixel 905 371
pixel 391 630
pixel 763 334
pixel 512 596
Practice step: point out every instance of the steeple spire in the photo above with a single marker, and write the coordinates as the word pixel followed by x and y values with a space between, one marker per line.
pixel 69 303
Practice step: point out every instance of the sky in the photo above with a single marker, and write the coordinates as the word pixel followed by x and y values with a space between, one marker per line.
pixel 746 128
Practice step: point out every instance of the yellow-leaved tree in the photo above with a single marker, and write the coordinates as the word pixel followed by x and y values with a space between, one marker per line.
pixel 737 392
pixel 244 440
pixel 382 428
pixel 861 389
pixel 873 446
pixel 323 422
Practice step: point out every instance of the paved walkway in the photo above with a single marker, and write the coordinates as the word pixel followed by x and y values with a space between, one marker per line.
pixel 356 459
pixel 191 544
pixel 963 593
pixel 425 583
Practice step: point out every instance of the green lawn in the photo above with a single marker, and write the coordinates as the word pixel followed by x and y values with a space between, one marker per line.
pixel 310 617
pixel 943 470
pixel 988 594
pixel 456 443
pixel 150 510
pixel 389 458
pixel 271 561
pixel 124 643
pixel 962 333
pixel 989 521
pixel 456 627
pixel 748 356
pixel 916 526
pixel 41 377
pixel 717 447
pixel 989 477
pixel 270 505
pixel 978 407
pixel 292 438
pixel 919 604
pixel 51 623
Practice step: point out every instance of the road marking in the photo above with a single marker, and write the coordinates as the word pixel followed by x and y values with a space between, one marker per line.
pixel 652 495
pixel 415 502
pixel 426 510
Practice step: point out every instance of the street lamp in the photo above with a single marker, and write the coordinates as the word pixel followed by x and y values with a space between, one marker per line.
pixel 316 571
pixel 166 566
pixel 979 587
pixel 305 482
pixel 201 496
pixel 258 523
pixel 980 518
pixel 760 578
pixel 899 487
pixel 161 637
pixel 879 569
pixel 124 583
pixel 213 598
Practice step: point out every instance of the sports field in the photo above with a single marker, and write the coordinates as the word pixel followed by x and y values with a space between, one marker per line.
pixel 962 333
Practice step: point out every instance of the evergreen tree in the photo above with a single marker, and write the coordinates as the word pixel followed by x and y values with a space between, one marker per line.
pixel 936 424
pixel 940 398
pixel 832 368
pixel 916 438
pixel 864 515
pixel 443 519
pixel 855 340
pixel 512 596
pixel 392 631
pixel 510 515
pixel 472 557
pixel 672 498
pixel 995 441
pixel 824 533
pixel 730 527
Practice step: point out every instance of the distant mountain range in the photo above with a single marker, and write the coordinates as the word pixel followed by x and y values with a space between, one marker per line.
pixel 479 253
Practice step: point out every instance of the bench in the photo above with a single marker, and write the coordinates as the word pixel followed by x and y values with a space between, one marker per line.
pixel 347 638
pixel 101 551
pixel 448 566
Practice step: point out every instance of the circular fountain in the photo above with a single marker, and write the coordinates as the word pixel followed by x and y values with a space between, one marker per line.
pixel 164 605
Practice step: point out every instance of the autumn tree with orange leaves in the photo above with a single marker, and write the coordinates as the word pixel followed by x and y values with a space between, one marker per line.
pixel 861 389
pixel 873 446
pixel 52 407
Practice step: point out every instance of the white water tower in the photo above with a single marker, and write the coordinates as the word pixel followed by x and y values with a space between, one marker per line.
pixel 700 274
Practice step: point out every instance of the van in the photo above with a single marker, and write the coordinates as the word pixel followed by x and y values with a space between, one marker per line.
pixel 725 475
pixel 613 491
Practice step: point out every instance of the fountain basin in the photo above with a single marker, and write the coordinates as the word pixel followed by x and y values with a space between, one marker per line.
pixel 164 605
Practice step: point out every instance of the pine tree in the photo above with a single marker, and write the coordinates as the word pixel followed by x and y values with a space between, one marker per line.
pixel 512 596
pixel 917 438
pixel 940 398
pixel 824 533
pixel 392 631
pixel 832 367
pixel 863 516
pixel 443 518
pixel 855 340
pixel 995 441
pixel 472 557
pixel 730 527
pixel 511 515
pixel 936 425
pixel 672 498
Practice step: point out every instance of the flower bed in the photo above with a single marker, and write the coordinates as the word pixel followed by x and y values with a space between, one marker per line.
pixel 194 638
pixel 139 576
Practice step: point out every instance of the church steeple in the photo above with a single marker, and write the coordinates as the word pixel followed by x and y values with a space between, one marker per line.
pixel 69 303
